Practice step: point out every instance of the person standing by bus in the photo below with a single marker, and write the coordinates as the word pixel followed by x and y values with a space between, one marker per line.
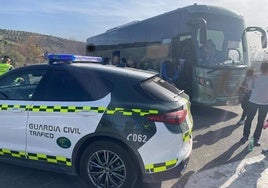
pixel 5 65
pixel 258 101
pixel 169 72
pixel 244 94
pixel 208 52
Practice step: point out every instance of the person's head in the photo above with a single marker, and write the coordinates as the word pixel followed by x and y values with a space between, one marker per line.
pixel 6 59
pixel 250 72
pixel 264 67
pixel 116 57
pixel 130 63
pixel 123 62
pixel 115 60
pixel 208 50
pixel 105 61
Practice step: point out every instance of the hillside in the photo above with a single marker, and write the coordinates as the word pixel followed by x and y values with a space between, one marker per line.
pixel 29 48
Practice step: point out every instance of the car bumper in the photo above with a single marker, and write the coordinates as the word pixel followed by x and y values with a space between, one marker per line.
pixel 173 173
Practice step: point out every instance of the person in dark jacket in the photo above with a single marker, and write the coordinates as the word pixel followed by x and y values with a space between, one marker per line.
pixel 244 94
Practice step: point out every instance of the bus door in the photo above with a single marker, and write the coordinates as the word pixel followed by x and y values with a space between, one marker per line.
pixel 185 61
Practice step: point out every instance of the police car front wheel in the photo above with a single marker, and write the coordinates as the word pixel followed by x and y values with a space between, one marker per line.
pixel 106 164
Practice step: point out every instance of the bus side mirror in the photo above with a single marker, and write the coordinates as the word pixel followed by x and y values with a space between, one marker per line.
pixel 264 41
pixel 202 24
pixel 258 29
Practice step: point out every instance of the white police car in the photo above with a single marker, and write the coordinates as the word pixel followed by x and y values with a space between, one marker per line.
pixel 107 124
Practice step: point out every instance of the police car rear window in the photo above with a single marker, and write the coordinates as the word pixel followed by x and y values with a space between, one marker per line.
pixel 160 89
pixel 93 83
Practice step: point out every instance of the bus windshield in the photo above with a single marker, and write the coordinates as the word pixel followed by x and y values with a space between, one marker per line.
pixel 224 42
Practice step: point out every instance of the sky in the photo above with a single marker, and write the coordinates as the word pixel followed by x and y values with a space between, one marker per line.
pixel 80 19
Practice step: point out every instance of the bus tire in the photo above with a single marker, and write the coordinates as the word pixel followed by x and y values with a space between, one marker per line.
pixel 107 164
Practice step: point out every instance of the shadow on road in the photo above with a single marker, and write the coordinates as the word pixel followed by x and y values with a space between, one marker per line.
pixel 226 157
pixel 141 184
pixel 214 136
pixel 205 116
pixel 12 175
pixel 183 180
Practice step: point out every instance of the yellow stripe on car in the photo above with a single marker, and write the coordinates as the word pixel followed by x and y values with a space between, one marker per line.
pixel 187 136
pixel 160 167
pixel 36 156
pixel 71 109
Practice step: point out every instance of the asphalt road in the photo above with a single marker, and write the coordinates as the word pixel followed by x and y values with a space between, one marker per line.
pixel 216 142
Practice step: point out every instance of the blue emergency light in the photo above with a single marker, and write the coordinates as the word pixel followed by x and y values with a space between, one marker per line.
pixel 69 58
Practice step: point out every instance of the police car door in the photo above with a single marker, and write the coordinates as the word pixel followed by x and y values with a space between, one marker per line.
pixel 16 89
pixel 60 116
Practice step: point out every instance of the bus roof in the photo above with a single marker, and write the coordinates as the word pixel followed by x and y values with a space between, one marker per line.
pixel 192 9
pixel 170 28
pixel 210 9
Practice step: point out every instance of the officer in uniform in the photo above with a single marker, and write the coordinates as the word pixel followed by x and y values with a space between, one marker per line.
pixel 5 65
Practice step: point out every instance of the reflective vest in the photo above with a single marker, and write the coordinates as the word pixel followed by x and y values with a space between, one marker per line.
pixel 5 67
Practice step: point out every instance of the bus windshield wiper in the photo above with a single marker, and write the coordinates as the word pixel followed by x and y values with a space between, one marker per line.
pixel 211 71
pixel 231 62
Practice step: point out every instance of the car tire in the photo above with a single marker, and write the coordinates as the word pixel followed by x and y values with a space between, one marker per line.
pixel 107 164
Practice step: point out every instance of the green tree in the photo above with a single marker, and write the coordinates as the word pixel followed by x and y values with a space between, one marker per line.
pixel 18 59
pixel 31 50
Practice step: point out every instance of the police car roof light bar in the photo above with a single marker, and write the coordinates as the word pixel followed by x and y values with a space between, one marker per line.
pixel 72 58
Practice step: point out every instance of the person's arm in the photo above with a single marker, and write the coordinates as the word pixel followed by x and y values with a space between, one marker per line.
pixel 250 84
pixel 176 76
pixel 164 72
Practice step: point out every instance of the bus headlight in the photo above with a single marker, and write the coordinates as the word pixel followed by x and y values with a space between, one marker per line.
pixel 203 81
